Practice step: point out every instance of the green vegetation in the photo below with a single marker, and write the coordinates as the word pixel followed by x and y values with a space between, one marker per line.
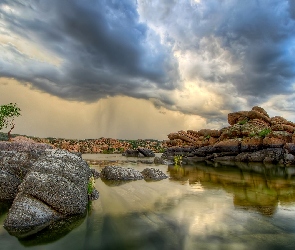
pixel 91 184
pixel 207 137
pixel 7 114
pixel 264 132
pixel 243 122
pixel 177 160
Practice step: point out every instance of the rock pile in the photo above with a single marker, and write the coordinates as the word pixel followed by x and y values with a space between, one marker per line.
pixel 249 132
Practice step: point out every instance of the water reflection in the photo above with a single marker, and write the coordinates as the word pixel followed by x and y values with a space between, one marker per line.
pixel 254 186
pixel 54 232
pixel 200 207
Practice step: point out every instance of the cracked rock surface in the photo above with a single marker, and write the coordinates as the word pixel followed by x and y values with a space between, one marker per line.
pixel 46 186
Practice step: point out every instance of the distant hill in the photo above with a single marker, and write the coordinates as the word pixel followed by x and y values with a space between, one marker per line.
pixel 101 145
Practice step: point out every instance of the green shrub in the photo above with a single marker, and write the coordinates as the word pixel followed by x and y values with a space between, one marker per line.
pixel 177 160
pixel 243 122
pixel 91 184
pixel 264 132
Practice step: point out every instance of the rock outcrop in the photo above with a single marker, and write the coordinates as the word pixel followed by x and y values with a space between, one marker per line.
pixel 45 184
pixel 251 136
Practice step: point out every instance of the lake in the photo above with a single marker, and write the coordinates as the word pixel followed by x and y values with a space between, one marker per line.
pixel 199 207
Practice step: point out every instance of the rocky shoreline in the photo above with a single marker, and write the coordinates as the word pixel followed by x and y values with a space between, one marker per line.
pixel 252 136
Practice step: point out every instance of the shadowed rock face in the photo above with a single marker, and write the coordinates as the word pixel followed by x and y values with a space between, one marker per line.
pixel 45 187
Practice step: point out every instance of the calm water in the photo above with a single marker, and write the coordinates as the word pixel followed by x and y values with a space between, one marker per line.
pixel 199 207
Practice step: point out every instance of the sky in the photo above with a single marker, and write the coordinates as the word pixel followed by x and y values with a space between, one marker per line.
pixel 142 69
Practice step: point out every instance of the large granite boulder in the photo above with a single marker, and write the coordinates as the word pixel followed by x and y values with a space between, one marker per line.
pixel 54 186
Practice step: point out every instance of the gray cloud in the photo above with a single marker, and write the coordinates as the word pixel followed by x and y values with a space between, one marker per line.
pixel 237 49
pixel 254 37
pixel 104 48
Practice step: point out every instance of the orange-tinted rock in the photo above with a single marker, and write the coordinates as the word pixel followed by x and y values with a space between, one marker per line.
pixel 260 110
pixel 212 141
pixel 209 132
pixel 173 136
pixel 253 114
pixel 231 132
pixel 283 127
pixel 272 142
pixel 251 144
pixel 230 145
pixel 234 118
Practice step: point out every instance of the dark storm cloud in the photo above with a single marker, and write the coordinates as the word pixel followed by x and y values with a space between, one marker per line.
pixel 242 51
pixel 104 49
pixel 255 38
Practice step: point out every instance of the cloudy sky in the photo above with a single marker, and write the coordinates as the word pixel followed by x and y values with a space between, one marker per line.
pixel 142 69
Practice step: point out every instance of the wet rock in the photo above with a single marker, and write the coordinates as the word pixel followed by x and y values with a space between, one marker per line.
pixel 153 174
pixel 131 153
pixel 269 155
pixel 251 144
pixel 204 151
pixel 146 152
pixel 231 145
pixel 289 159
pixel 95 173
pixel 94 195
pixel 120 173
pixel 158 161
pixel 290 147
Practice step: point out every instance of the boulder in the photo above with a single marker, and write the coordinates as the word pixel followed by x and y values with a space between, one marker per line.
pixel 260 110
pixel 277 139
pixel 131 153
pixel 290 147
pixel 120 173
pixel 146 152
pixel 209 132
pixel 29 215
pixel 253 114
pixel 289 159
pixel 236 117
pixel 54 187
pixel 153 174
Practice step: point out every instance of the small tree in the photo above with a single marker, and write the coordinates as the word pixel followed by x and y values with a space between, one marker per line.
pixel 7 114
